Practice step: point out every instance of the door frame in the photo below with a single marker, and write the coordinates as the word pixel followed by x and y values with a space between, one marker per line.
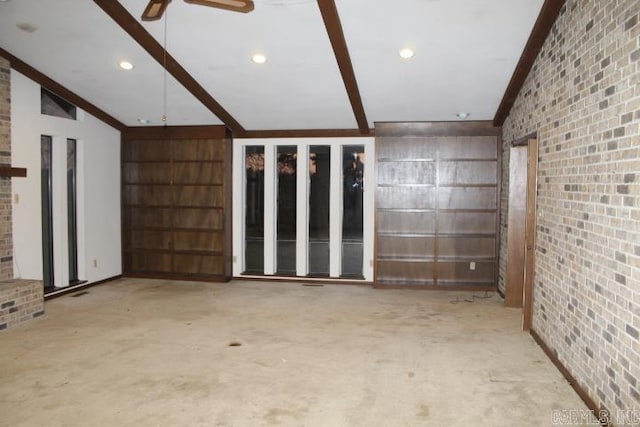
pixel 521 231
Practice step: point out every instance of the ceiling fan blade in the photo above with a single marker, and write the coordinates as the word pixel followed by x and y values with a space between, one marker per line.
pixel 154 10
pixel 243 6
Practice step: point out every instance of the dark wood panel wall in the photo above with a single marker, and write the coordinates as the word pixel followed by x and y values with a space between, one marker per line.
pixel 176 203
pixel 437 205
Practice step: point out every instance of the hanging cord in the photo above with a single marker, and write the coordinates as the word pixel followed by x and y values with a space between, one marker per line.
pixel 164 75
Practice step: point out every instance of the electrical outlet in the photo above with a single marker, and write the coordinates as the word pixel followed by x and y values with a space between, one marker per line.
pixel 235 259
pixel 472 265
pixel 95 263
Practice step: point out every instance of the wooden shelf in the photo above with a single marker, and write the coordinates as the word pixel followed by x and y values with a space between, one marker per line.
pixel 467 258
pixel 173 207
pixel 401 160
pixel 426 185
pixel 177 229
pixel 406 210
pixel 490 211
pixel 469 235
pixel 173 251
pixel 467 159
pixel 175 197
pixel 404 234
pixel 11 172
pixel 397 258
pixel 400 185
pixel 151 162
pixel 168 184
pixel 454 185
pixel 199 162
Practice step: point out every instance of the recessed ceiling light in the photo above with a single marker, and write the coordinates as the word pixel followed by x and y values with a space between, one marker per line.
pixel 144 121
pixel 406 53
pixel 126 65
pixel 259 58
pixel 462 115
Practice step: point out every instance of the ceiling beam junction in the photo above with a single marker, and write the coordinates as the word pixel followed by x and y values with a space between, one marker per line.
pixel 336 36
pixel 123 18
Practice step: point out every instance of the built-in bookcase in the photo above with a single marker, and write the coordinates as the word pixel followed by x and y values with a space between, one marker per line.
pixel 436 205
pixel 175 202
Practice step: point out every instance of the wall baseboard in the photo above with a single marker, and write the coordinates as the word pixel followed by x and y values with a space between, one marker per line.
pixel 302 280
pixel 180 277
pixel 74 288
pixel 599 413
pixel 456 288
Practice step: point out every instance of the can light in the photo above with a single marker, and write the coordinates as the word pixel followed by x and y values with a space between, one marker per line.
pixel 126 65
pixel 259 58
pixel 406 53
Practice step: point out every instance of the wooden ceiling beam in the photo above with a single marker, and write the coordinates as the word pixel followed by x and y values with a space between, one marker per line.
pixel 55 87
pixel 548 16
pixel 336 36
pixel 123 18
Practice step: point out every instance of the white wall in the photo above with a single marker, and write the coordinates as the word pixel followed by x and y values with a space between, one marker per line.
pixel 98 191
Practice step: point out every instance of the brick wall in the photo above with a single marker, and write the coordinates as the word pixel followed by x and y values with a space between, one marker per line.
pixel 20 301
pixel 6 243
pixel 583 99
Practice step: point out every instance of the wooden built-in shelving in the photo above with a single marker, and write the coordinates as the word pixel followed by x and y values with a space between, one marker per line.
pixel 436 206
pixel 176 190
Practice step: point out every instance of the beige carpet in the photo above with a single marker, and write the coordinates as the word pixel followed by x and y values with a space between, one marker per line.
pixel 157 353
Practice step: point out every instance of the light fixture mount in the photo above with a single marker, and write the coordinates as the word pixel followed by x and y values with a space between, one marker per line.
pixel 242 6
pixel 156 8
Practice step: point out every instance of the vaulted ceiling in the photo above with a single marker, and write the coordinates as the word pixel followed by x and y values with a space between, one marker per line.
pixel 466 52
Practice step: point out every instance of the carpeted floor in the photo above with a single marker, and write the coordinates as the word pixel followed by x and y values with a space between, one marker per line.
pixel 158 353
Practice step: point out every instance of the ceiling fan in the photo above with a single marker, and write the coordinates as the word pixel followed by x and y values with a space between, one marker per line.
pixel 156 8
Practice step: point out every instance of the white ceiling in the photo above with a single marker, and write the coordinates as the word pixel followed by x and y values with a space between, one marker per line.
pixel 466 51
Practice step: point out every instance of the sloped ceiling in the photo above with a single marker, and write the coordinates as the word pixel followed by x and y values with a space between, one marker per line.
pixel 465 53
